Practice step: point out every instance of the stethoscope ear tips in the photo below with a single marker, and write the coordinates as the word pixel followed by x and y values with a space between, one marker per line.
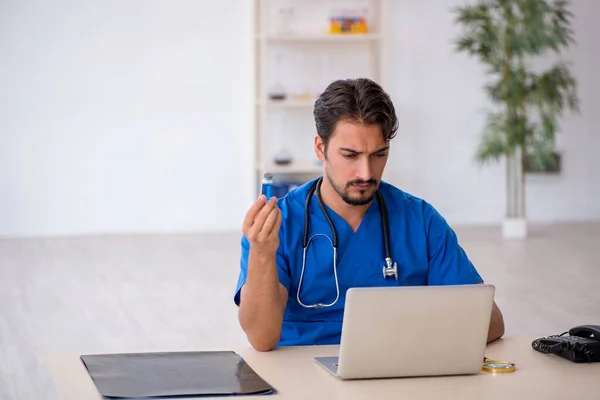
pixel 390 269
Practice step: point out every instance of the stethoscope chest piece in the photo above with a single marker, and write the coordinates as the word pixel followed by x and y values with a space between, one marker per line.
pixel 390 269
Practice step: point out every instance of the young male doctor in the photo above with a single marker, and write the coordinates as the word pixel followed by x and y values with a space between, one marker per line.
pixel 291 287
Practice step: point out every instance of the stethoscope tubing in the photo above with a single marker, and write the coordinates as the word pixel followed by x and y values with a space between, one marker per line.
pixel 316 187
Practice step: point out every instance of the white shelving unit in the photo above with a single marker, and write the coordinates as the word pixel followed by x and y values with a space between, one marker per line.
pixel 297 55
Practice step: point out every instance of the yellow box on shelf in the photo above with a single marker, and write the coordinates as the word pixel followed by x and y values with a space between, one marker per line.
pixel 343 25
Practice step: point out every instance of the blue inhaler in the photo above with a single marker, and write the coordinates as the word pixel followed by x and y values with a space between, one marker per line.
pixel 267 185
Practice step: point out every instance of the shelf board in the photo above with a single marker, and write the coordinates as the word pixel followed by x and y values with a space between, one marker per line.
pixel 293 168
pixel 348 37
pixel 288 103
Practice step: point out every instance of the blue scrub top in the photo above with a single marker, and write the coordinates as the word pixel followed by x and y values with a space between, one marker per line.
pixel 425 248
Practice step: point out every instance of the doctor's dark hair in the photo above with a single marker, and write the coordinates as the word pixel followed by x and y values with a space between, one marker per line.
pixel 358 101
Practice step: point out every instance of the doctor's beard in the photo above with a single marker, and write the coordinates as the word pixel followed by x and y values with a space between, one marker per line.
pixel 364 198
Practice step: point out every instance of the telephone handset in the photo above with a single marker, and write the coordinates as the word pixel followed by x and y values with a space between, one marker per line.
pixel 586 331
pixel 582 344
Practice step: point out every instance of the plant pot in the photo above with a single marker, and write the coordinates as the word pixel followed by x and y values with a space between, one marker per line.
pixel 514 228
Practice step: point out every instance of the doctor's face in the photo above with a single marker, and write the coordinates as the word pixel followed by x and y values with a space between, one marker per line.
pixel 354 160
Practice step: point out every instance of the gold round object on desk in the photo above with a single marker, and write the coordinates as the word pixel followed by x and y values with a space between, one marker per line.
pixel 497 366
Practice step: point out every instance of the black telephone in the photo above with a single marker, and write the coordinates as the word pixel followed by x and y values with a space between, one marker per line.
pixel 582 344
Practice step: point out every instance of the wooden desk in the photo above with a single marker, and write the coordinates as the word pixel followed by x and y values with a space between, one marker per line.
pixel 293 372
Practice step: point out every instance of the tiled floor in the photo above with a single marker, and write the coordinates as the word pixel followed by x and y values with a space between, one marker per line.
pixel 160 292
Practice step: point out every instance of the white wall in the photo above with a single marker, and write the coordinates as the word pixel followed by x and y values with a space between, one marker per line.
pixel 132 117
pixel 440 100
pixel 591 17
pixel 124 116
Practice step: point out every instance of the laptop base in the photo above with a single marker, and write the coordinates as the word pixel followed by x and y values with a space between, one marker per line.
pixel 329 363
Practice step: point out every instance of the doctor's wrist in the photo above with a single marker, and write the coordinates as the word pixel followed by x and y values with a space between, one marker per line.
pixel 262 257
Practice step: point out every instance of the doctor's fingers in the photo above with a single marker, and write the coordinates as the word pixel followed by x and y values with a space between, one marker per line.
pixel 263 214
pixel 274 232
pixel 270 224
pixel 261 217
pixel 252 212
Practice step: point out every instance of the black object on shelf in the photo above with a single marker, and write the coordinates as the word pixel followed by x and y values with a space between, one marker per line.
pixel 177 374
pixel 277 96
pixel 277 92
pixel 283 157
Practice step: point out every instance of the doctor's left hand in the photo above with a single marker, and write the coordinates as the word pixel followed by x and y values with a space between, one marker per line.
pixel 261 226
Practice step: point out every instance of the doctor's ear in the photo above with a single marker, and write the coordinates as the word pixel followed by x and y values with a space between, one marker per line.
pixel 320 148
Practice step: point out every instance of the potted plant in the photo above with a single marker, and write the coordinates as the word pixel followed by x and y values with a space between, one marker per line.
pixel 508 36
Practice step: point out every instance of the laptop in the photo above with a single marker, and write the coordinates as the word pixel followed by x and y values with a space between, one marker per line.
pixel 392 332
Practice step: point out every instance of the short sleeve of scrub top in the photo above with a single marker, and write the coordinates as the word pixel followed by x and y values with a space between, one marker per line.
pixel 282 265
pixel 448 262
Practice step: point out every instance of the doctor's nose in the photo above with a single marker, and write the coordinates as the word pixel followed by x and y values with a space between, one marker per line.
pixel 364 171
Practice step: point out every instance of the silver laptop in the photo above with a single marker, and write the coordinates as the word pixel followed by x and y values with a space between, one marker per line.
pixel 390 332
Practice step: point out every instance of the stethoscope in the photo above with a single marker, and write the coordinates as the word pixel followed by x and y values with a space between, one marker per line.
pixel 389 269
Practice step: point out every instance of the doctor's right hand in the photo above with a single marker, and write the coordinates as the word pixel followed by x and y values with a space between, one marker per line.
pixel 261 226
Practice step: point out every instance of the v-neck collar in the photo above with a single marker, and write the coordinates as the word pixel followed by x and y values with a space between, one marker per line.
pixel 340 222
